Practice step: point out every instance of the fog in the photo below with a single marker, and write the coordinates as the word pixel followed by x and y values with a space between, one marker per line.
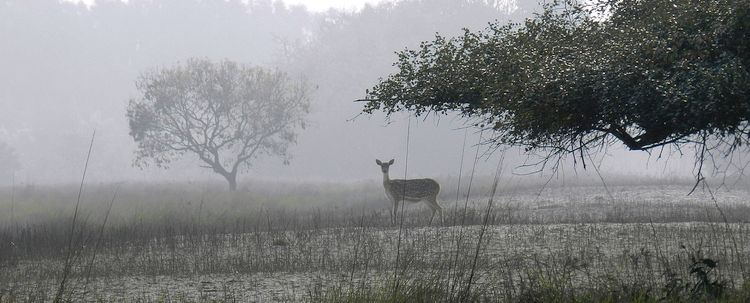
pixel 67 69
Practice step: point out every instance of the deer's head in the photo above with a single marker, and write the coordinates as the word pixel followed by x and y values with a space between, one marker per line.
pixel 384 165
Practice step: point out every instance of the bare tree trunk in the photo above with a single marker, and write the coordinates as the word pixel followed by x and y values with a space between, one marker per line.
pixel 232 179
pixel 231 176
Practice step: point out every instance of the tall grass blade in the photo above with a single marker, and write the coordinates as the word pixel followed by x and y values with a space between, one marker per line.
pixel 69 254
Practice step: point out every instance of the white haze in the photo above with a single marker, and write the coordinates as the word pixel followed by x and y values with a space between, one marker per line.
pixel 67 69
pixel 317 6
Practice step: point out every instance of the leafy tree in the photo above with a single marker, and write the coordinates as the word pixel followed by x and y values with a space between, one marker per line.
pixel 648 74
pixel 225 113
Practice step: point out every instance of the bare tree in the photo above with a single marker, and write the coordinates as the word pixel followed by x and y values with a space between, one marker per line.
pixel 227 114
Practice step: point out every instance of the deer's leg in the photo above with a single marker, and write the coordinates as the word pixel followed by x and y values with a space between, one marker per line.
pixel 432 207
pixel 395 211
pixel 440 209
pixel 390 212
pixel 433 204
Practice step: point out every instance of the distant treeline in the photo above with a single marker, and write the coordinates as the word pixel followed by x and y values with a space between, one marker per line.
pixel 69 69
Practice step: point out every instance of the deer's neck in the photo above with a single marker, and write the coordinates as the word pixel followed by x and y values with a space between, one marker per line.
pixel 386 179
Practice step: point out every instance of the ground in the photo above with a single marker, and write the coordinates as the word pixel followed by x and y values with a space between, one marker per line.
pixel 565 240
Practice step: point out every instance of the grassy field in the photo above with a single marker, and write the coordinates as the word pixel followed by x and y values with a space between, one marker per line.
pixel 632 241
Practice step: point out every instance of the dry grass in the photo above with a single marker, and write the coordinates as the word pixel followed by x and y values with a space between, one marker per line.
pixel 332 243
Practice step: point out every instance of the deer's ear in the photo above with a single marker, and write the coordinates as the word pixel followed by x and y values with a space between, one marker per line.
pixel 390 162
pixel 378 162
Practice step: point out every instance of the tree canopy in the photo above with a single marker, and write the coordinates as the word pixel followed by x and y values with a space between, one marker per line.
pixel 587 74
pixel 225 113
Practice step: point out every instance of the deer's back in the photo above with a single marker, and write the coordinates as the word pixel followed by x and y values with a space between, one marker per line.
pixel 415 188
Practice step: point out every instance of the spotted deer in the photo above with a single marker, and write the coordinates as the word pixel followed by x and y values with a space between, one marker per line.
pixel 411 190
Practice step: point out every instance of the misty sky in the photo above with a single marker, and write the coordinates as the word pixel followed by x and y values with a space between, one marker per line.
pixel 312 5
pixel 67 70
